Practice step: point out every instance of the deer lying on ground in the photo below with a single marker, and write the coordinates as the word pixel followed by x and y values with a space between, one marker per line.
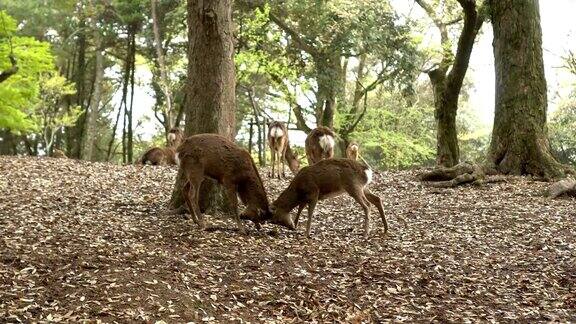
pixel 216 157
pixel 164 155
pixel 319 144
pixel 280 149
pixel 59 154
pixel 352 151
pixel 325 179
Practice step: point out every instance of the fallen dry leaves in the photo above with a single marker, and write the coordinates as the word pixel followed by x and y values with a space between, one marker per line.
pixel 83 240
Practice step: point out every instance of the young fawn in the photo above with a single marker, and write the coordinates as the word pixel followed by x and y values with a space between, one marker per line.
pixel 214 156
pixel 352 151
pixel 280 149
pixel 325 179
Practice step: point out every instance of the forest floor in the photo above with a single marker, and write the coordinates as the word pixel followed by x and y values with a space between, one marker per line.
pixel 83 240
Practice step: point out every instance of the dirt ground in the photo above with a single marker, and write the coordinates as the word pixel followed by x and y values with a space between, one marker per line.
pixel 90 241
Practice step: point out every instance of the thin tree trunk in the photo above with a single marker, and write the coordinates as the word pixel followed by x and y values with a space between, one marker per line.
pixel 131 67
pixel 75 133
pixel 92 115
pixel 211 82
pixel 446 85
pixel 520 137
pixel 162 64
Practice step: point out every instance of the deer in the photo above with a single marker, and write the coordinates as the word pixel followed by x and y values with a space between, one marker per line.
pixel 319 144
pixel 280 149
pixel 214 156
pixel 59 154
pixel 163 155
pixel 352 151
pixel 325 179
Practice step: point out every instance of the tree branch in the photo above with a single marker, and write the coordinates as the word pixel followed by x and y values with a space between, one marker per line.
pixel 296 37
pixel 472 23
pixel 4 75
pixel 444 39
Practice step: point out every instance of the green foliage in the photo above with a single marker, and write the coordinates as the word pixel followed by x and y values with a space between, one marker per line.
pixel 19 93
pixel 562 132
pixel 395 134
pixel 51 113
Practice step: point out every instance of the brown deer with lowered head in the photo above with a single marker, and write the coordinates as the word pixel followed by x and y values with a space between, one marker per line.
pixel 280 149
pixel 319 144
pixel 325 179
pixel 352 151
pixel 165 155
pixel 216 157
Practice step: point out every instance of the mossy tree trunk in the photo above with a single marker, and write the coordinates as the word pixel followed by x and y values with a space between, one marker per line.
pixel 519 138
pixel 447 78
pixel 210 99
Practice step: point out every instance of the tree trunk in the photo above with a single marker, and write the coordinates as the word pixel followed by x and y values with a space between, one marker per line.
pixel 445 109
pixel 446 85
pixel 211 82
pixel 131 67
pixel 520 138
pixel 92 115
pixel 74 134
pixel 164 81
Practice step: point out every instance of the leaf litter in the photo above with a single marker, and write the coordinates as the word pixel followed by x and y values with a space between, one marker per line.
pixel 91 241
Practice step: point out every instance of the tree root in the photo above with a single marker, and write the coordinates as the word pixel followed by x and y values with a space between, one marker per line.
pixel 459 174
pixel 566 187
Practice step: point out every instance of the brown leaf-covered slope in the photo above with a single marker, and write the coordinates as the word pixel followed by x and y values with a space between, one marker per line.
pixel 83 240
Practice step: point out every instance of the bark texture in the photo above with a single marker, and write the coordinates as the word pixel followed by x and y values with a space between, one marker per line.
pixel 92 113
pixel 447 85
pixel 210 98
pixel 519 138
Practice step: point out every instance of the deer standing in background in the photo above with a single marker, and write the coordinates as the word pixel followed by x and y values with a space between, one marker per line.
pixel 165 155
pixel 280 149
pixel 319 145
pixel 352 151
pixel 325 179
pixel 216 157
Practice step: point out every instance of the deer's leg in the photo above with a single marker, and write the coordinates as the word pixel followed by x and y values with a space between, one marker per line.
pixel 185 190
pixel 300 208
pixel 376 201
pixel 273 156
pixel 189 192
pixel 358 195
pixel 283 159
pixel 311 206
pixel 231 194
pixel 199 214
pixel 279 162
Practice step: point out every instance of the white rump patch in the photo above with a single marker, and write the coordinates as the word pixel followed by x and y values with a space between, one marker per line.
pixel 368 173
pixel 354 147
pixel 171 137
pixel 326 142
pixel 276 132
pixel 177 159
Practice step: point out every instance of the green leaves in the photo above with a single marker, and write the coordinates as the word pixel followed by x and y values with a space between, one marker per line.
pixel 19 93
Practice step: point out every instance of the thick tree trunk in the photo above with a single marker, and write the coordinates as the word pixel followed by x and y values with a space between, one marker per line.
pixel 329 85
pixel 211 82
pixel 519 137
pixel 445 109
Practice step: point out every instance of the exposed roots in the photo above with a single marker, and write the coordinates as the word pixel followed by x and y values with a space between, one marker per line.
pixel 459 174
pixel 566 187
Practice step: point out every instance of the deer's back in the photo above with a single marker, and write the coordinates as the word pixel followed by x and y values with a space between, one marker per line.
pixel 219 157
pixel 331 175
